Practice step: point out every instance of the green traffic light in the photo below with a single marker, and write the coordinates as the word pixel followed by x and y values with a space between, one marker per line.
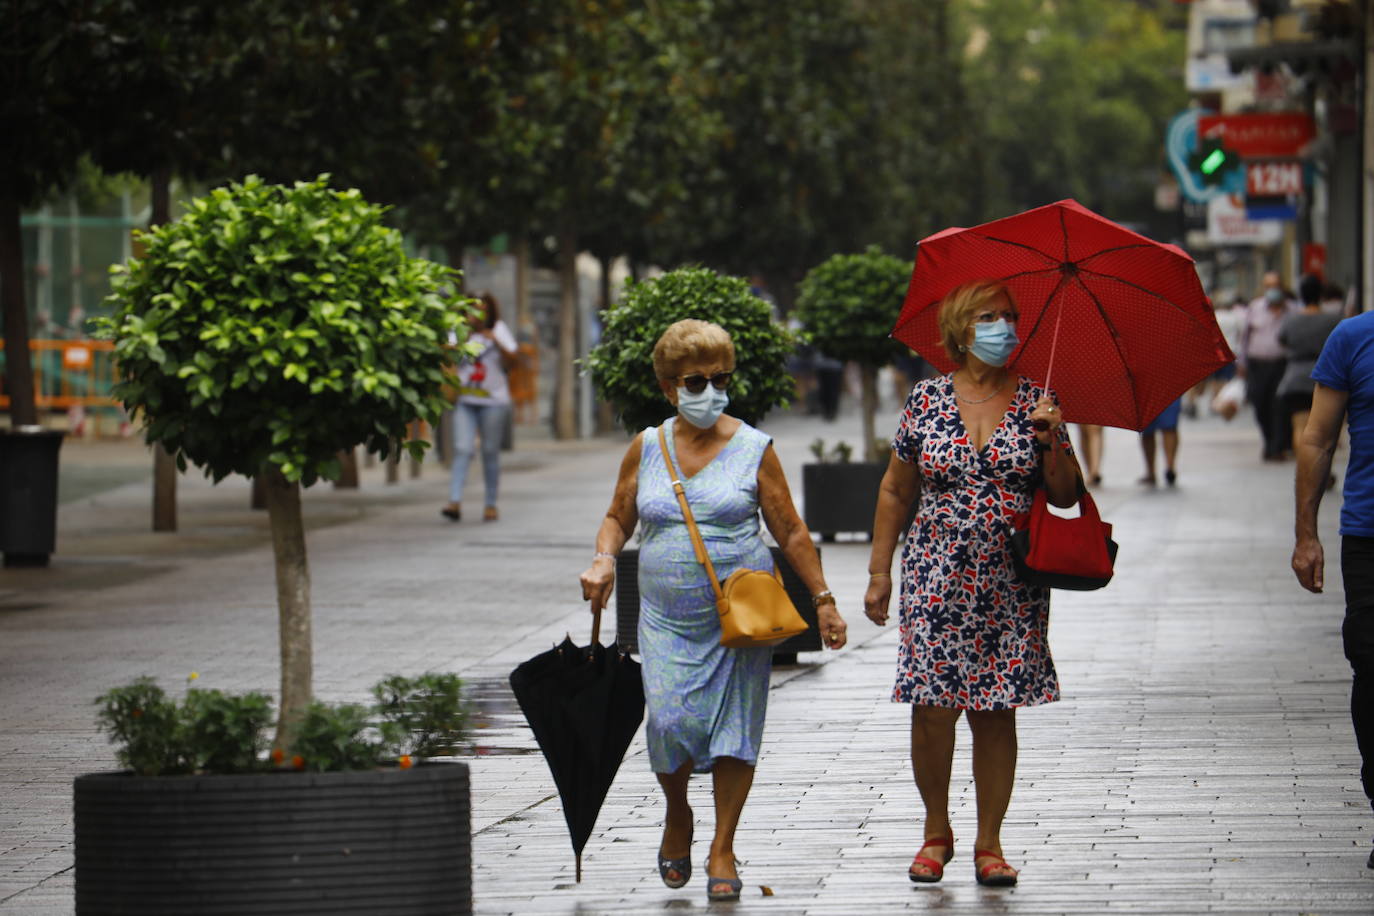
pixel 1213 161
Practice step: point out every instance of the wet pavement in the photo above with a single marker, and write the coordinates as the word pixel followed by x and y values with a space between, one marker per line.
pixel 1201 760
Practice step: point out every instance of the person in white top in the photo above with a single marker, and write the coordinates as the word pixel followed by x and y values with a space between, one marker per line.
pixel 482 407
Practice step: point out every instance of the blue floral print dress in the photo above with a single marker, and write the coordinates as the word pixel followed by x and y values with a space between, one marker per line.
pixel 973 635
pixel 703 700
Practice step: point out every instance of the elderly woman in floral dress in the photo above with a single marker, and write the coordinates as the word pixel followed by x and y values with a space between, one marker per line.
pixel 972 446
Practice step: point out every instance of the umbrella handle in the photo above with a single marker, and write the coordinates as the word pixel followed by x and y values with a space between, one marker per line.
pixel 596 621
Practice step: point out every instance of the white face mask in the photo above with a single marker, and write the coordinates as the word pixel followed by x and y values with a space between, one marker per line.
pixel 704 408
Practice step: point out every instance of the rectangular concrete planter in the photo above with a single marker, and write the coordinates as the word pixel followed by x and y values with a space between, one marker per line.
pixel 840 497
pixel 366 842
pixel 627 607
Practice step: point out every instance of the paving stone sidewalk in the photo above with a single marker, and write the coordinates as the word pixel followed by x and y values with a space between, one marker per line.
pixel 1200 762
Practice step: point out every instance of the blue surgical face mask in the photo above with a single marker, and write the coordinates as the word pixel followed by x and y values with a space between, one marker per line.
pixel 994 341
pixel 704 408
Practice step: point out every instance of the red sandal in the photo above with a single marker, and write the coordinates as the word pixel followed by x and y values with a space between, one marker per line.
pixel 935 867
pixel 985 874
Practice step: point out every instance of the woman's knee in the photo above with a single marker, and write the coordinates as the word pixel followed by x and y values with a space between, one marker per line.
pixel 992 722
pixel 934 718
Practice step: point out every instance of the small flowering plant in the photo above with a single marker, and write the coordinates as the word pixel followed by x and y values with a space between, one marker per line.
pixel 210 731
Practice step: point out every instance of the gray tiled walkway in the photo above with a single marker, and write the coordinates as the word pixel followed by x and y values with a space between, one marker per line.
pixel 1200 762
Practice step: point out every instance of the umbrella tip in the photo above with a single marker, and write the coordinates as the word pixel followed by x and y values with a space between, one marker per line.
pixel 579 868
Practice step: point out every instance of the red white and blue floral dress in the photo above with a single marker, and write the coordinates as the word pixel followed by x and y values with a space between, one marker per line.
pixel 973 635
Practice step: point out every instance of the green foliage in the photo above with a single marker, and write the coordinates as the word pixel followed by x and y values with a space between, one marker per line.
pixel 1072 101
pixel 622 366
pixel 429 711
pixel 337 737
pixel 841 454
pixel 209 732
pixel 224 733
pixel 145 723
pixel 213 732
pixel 850 303
pixel 280 325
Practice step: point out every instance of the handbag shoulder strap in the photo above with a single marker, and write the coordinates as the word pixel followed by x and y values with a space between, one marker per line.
pixel 697 544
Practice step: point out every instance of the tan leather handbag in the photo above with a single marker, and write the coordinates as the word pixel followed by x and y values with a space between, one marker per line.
pixel 755 610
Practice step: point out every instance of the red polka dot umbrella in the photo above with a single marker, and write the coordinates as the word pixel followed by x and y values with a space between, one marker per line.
pixel 1115 323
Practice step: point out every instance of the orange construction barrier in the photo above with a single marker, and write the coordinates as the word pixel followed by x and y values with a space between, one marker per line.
pixel 524 383
pixel 69 373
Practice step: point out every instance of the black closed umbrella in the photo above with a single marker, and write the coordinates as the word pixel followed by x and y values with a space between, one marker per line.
pixel 584 705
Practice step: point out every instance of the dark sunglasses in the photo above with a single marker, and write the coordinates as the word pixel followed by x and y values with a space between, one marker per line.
pixel 696 384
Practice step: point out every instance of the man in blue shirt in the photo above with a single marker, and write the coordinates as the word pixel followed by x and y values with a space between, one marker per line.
pixel 1345 389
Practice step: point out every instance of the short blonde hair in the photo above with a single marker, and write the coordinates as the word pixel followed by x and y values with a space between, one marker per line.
pixel 959 307
pixel 691 340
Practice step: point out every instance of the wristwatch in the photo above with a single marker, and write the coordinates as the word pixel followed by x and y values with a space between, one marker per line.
pixel 825 597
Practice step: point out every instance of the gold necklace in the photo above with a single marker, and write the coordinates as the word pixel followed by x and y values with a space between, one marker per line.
pixel 979 400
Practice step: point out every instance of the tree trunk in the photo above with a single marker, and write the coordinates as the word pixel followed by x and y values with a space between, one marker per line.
pixel 565 403
pixel 164 465
pixel 869 374
pixel 523 321
pixel 348 470
pixel 454 249
pixel 18 364
pixel 293 601
pixel 393 462
pixel 605 410
pixel 417 431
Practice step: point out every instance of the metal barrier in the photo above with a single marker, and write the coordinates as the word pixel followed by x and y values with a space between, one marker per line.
pixel 80 373
pixel 68 373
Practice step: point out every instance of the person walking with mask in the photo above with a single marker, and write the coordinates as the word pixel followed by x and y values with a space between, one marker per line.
pixel 973 447
pixel 705 703
pixel 1262 358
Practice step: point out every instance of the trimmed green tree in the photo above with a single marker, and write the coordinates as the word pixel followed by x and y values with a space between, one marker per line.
pixel 848 306
pixel 622 364
pixel 264 332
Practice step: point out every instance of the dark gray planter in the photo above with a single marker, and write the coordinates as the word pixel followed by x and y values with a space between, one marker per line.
pixel 28 494
pixel 840 497
pixel 367 842
pixel 627 607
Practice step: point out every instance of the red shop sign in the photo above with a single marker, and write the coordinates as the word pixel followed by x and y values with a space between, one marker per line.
pixel 1255 136
pixel 1273 178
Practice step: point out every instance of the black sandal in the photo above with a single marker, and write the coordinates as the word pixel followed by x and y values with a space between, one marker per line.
pixel 682 866
pixel 733 885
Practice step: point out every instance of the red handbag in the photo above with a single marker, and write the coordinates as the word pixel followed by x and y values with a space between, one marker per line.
pixel 1055 552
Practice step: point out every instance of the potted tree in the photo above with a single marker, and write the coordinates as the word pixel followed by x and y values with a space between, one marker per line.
pixel 202 821
pixel 847 306
pixel 263 333
pixel 621 368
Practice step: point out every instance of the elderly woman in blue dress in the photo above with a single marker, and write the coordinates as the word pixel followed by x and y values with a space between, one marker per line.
pixel 705 702
pixel 972 446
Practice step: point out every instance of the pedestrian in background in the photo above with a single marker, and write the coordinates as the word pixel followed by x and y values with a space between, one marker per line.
pixel 482 408
pixel 1263 359
pixel 1164 426
pixel 705 703
pixel 1303 333
pixel 1334 301
pixel 1090 447
pixel 973 635
pixel 1344 390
